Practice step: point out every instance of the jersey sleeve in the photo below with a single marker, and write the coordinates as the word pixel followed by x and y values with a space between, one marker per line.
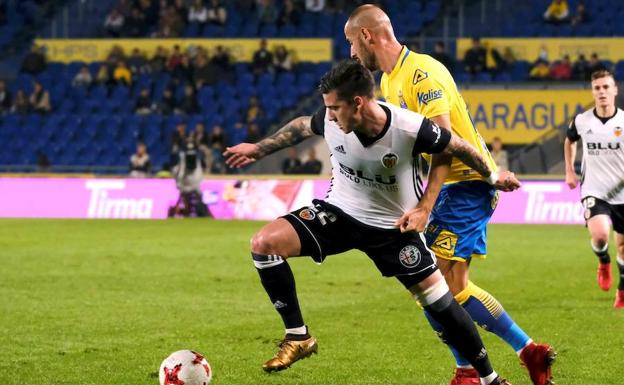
pixel 431 138
pixel 572 133
pixel 429 95
pixel 318 122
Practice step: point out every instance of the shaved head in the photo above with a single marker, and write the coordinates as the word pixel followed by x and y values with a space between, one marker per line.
pixel 370 17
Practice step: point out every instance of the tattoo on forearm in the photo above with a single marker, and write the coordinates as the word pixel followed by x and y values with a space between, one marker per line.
pixel 295 131
pixel 465 152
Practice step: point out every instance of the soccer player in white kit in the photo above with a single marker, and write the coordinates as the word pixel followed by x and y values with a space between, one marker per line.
pixel 372 205
pixel 601 129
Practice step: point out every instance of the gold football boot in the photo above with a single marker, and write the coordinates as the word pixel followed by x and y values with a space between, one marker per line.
pixel 290 351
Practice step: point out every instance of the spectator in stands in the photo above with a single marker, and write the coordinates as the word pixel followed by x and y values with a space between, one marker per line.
pixel 198 13
pixel 103 76
pixel 500 156
pixel 188 104
pixel 140 165
pixel 183 72
pixel 204 72
pixel 580 69
pixel 124 7
pixel 267 12
pixel 474 59
pixel 509 57
pixel 143 104
pixel 262 59
pixel 180 8
pixel 167 104
pixel 178 138
pixel 135 25
pixel 561 69
pixel 83 78
pixel 292 164
pixel 5 98
pixel 202 141
pixel 494 61
pixel 595 64
pixel 439 53
pixel 150 10
pixel 122 74
pixel 137 63
pixel 539 71
pixel 217 145
pixel 217 14
pixel 21 105
pixel 254 111
pixel 289 14
pixel 159 61
pixel 43 163
pixel 171 24
pixel 281 59
pixel 40 99
pixel 580 16
pixel 114 22
pixel 314 5
pixel 253 133
pixel 175 58
pixel 115 55
pixel 557 12
pixel 312 165
pixel 222 61
pixel 35 61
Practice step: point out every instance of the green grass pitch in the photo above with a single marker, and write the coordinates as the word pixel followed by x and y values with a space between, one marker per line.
pixel 103 302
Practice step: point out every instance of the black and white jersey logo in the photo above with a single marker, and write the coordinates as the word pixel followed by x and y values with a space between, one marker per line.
pixel 390 160
pixel 340 149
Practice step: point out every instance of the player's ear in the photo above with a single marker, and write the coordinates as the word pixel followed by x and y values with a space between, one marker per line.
pixel 358 101
pixel 366 35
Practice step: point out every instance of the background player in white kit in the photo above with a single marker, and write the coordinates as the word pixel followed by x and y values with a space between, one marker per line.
pixel 602 175
pixel 372 204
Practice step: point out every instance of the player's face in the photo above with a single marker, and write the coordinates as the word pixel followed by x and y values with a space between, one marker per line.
pixel 360 50
pixel 604 91
pixel 341 112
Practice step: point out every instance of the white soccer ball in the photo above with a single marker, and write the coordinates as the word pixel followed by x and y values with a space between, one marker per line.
pixel 185 367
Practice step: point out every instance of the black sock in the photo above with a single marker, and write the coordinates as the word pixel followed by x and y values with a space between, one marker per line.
pixel 621 269
pixel 279 283
pixel 460 332
pixel 603 255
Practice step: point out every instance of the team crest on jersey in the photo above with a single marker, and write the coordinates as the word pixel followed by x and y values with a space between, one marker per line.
pixel 402 102
pixel 307 214
pixel 617 131
pixel 409 256
pixel 390 160
pixel 419 76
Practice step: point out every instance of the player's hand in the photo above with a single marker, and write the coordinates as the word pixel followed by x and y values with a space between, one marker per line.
pixel 413 220
pixel 242 154
pixel 571 180
pixel 507 181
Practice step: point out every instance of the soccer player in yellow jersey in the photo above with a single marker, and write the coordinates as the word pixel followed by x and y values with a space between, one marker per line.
pixel 457 226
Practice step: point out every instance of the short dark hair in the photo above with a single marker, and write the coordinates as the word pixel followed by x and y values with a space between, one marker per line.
pixel 601 74
pixel 350 79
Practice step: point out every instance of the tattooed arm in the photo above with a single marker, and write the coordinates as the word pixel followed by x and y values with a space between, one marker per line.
pixel 295 131
pixel 465 152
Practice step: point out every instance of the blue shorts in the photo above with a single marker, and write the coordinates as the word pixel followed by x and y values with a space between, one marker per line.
pixel 457 228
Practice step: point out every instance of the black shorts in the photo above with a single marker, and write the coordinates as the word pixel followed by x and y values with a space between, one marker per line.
pixel 594 206
pixel 324 230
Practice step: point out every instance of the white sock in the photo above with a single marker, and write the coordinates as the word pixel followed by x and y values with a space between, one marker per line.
pixel 301 330
pixel 597 250
pixel 529 342
pixel 465 366
pixel 488 380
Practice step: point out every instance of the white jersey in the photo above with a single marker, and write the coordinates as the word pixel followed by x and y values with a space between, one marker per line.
pixel 602 172
pixel 376 180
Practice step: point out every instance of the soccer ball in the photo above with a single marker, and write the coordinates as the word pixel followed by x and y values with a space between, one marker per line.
pixel 185 367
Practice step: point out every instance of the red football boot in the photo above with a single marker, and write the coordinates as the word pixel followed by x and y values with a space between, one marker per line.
pixel 604 276
pixel 465 376
pixel 538 359
pixel 619 300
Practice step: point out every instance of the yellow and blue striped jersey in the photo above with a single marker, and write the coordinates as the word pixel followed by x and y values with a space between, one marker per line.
pixel 422 84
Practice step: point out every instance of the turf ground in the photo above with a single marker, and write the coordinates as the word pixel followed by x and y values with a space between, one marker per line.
pixel 103 302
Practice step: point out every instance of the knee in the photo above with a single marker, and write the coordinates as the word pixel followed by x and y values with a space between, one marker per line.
pixel 600 240
pixel 457 281
pixel 261 243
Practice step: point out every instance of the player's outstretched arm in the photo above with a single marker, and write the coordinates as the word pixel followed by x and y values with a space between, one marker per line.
pixel 295 131
pixel 464 151
pixel 569 153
